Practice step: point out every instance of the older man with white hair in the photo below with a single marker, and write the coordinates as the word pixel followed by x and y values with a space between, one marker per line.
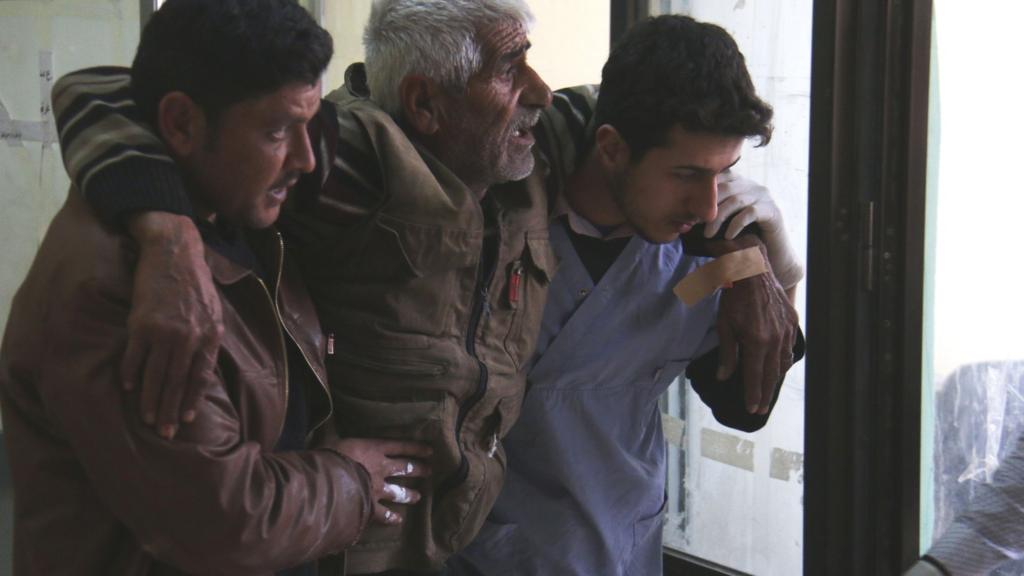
pixel 423 235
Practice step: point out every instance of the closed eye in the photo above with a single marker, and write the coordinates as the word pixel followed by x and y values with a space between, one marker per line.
pixel 277 135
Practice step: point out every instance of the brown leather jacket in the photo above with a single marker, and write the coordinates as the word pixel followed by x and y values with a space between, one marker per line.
pixel 433 313
pixel 97 492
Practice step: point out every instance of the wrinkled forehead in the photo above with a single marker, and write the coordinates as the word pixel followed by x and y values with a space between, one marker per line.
pixel 503 41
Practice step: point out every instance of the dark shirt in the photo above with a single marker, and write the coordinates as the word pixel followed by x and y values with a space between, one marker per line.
pixel 597 254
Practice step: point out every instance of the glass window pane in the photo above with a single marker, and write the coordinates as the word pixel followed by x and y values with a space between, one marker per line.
pixel 736 499
pixel 973 354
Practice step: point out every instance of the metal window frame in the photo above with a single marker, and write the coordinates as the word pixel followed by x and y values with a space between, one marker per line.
pixel 869 118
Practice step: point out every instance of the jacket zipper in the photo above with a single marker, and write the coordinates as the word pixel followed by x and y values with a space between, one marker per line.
pixel 284 352
pixel 480 307
pixel 284 347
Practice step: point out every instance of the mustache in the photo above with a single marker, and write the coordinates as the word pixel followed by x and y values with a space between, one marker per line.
pixel 286 181
pixel 526 121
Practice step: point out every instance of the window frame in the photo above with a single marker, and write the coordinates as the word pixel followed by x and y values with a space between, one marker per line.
pixel 869 120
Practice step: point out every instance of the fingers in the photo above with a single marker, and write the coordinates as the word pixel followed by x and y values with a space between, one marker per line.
pixel 769 379
pixel 131 364
pixel 728 349
pixel 175 383
pixel 201 378
pixel 408 469
pixel 385 515
pixel 745 218
pixel 152 384
pixel 400 494
pixel 753 376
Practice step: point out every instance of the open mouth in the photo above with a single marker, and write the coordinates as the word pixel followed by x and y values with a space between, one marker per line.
pixel 524 134
pixel 684 226
pixel 280 194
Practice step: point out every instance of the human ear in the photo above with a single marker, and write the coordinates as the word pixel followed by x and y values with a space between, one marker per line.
pixel 612 150
pixel 420 98
pixel 181 123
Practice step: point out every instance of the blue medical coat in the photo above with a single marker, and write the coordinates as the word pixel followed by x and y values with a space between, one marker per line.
pixel 585 489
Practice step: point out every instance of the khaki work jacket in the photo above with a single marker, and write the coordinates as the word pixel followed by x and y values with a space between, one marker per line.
pixel 430 327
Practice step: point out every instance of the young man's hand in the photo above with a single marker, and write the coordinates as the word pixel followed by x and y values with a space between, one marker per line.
pixel 175 326
pixel 387 460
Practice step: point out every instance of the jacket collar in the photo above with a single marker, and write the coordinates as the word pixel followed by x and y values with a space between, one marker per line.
pixel 266 244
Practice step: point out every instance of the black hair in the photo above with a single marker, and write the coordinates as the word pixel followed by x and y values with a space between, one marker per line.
pixel 221 52
pixel 672 70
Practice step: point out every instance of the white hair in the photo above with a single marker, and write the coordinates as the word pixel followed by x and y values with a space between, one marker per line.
pixel 436 38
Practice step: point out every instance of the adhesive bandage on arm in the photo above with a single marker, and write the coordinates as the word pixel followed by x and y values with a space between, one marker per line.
pixel 722 271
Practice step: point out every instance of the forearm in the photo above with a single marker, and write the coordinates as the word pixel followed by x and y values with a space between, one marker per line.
pixel 118 163
pixel 164 232
pixel 757 325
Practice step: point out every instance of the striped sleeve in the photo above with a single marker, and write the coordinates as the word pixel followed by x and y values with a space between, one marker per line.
pixel 566 131
pixel 111 155
pixel 991 530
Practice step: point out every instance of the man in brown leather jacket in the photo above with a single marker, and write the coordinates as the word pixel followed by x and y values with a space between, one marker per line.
pixel 230 86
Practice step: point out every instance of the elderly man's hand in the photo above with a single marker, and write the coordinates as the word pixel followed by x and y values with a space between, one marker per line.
pixel 386 460
pixel 175 326
pixel 757 326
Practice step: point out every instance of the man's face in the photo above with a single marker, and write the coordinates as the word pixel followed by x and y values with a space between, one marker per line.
pixel 674 187
pixel 485 133
pixel 246 164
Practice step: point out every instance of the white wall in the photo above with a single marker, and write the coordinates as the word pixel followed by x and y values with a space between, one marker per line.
pixel 33 185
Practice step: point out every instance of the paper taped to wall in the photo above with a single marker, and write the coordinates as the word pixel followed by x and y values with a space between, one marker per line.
pixel 16 132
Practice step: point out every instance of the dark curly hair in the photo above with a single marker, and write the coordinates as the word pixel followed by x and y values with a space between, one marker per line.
pixel 672 70
pixel 221 52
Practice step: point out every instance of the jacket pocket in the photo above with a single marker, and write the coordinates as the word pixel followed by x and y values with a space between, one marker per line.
pixel 395 277
pixel 394 249
pixel 393 366
pixel 525 295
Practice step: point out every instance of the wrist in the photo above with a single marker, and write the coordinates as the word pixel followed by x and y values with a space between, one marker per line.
pixel 152 227
pixel 723 272
pixel 720 246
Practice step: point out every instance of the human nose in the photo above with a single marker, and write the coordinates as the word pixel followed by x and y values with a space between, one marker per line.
pixel 705 203
pixel 535 93
pixel 300 153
